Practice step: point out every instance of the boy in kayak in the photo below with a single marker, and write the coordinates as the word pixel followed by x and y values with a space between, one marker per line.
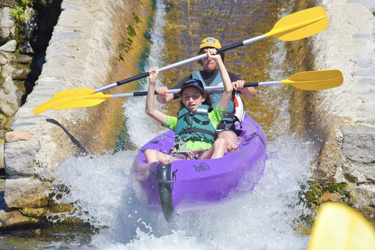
pixel 210 76
pixel 195 126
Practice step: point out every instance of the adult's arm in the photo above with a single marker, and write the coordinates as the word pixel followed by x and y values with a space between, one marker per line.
pixel 248 92
pixel 164 98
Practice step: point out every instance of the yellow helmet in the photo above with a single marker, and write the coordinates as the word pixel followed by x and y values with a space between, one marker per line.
pixel 210 42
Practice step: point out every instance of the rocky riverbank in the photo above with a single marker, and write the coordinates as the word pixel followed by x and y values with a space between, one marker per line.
pixel 349 45
pixel 93 44
pixel 23 41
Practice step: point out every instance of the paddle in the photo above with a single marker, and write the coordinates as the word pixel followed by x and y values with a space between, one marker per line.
pixel 341 227
pixel 293 27
pixel 310 80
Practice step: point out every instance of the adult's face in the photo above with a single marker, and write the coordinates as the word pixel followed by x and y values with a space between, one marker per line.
pixel 208 63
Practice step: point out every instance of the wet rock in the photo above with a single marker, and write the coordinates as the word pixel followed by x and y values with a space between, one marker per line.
pixel 19 161
pixel 9 46
pixel 24 59
pixel 26 48
pixel 2 133
pixel 329 197
pixel 31 17
pixel 359 143
pixel 15 218
pixel 18 136
pixel 35 212
pixel 20 73
pixel 3 121
pixel 25 192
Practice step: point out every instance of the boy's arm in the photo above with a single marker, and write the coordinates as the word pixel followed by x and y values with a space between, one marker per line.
pixel 228 88
pixel 150 106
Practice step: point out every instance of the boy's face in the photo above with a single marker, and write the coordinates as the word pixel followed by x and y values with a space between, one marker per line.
pixel 192 98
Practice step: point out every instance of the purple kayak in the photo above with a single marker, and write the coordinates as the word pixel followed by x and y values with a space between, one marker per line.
pixel 189 185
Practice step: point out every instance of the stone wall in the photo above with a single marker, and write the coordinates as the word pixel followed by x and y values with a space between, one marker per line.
pixel 24 36
pixel 341 121
pixel 349 45
pixel 86 51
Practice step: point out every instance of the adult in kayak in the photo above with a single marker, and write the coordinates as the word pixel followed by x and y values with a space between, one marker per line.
pixel 195 126
pixel 210 76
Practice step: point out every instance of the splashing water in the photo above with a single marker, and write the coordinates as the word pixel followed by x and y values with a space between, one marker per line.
pixel 101 189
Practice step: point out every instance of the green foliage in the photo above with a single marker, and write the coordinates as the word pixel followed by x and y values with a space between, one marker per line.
pixel 136 18
pixel 131 31
pixel 122 45
pixel 140 2
pixel 335 187
pixel 121 57
pixel 153 5
pixel 18 12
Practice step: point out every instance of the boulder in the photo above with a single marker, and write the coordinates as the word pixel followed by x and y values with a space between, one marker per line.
pixel 10 99
pixel 10 46
pixel 20 72
pixel 25 192
pixel 15 218
pixel 359 143
pixel 7 24
pixel 19 161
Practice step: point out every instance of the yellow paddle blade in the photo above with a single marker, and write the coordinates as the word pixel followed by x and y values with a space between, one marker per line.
pixel 43 107
pixel 72 102
pixel 65 95
pixel 340 227
pixel 73 93
pixel 315 80
pixel 83 101
pixel 300 25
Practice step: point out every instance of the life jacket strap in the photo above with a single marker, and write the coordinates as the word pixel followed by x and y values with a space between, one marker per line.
pixel 194 130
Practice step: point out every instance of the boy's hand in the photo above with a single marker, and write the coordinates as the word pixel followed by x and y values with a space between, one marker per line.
pixel 154 73
pixel 212 54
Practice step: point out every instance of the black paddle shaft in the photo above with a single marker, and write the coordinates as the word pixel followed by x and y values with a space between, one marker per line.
pixel 171 91
pixel 134 78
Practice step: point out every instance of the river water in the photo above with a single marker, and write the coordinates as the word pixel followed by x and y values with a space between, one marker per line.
pixel 100 186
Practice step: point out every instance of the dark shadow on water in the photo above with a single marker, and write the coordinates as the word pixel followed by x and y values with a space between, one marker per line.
pixel 3 205
pixel 71 137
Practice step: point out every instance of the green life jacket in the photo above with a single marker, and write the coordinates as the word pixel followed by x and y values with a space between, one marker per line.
pixel 195 125
pixel 229 114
